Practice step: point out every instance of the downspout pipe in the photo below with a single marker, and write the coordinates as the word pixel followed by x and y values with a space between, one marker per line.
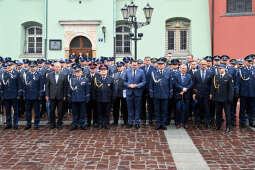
pixel 114 27
pixel 46 29
pixel 212 28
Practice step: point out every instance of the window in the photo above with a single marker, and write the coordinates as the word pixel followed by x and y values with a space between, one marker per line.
pixel 239 6
pixel 123 42
pixel 177 36
pixel 34 40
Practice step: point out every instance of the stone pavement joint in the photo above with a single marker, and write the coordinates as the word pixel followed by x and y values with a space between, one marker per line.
pixel 184 152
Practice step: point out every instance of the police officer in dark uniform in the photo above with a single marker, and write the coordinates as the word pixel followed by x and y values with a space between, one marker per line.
pixel 79 95
pixel 119 101
pixel 33 92
pixel 160 89
pixel 21 102
pixel 232 70
pixel 11 89
pixel 92 105
pixel 222 92
pixel 103 93
pixel 245 87
pixel 172 101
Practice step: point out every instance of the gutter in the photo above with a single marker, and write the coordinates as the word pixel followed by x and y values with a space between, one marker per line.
pixel 212 28
pixel 46 29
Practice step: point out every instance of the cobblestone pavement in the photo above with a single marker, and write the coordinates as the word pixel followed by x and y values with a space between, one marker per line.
pixel 235 150
pixel 117 148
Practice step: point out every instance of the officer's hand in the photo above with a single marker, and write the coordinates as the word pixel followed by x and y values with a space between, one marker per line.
pixel 194 96
pixel 47 98
pixel 64 98
pixel 184 90
pixel 210 96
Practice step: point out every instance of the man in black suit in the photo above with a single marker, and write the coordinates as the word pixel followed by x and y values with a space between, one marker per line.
pixel 56 92
pixel 202 83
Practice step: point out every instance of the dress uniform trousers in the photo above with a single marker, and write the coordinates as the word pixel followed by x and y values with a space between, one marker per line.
pixel 79 113
pixel 9 103
pixel 29 105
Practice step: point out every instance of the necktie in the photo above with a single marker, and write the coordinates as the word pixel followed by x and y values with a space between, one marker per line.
pixel 182 77
pixel 203 75
pixel 133 74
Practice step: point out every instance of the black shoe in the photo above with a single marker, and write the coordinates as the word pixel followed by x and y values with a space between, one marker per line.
pixel 252 125
pixel 59 127
pixel 129 126
pixel 208 126
pixel 36 127
pixel 233 124
pixel 89 124
pixel 158 128
pixel 144 122
pixel 242 126
pixel 107 127
pixel 7 127
pixel 227 130
pixel 15 127
pixel 27 127
pixel 163 128
pixel 84 128
pixel 73 128
pixel 100 126
pixel 196 126
pixel 52 127
pixel 137 126
pixel 151 122
pixel 218 128
pixel 115 123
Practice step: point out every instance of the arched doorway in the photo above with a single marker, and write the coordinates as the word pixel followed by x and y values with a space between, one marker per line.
pixel 82 45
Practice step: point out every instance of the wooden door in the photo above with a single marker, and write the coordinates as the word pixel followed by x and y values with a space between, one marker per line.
pixel 82 45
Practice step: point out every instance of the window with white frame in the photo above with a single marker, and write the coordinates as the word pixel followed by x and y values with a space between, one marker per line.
pixel 178 36
pixel 34 40
pixel 123 42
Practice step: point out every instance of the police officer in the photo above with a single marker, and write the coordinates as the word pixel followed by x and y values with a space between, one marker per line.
pixel 245 87
pixel 222 92
pixel 119 95
pixel 232 70
pixel 33 91
pixel 160 89
pixel 11 89
pixel 92 105
pixel 103 93
pixel 172 101
pixel 79 95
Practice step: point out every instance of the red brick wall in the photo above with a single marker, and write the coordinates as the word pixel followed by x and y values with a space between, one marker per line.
pixel 234 36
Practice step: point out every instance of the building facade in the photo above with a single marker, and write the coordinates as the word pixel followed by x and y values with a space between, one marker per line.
pixel 55 28
pixel 233 23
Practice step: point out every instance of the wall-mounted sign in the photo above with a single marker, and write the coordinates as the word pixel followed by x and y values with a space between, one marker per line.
pixel 55 44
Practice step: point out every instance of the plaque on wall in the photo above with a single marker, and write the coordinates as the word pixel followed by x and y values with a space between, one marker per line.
pixel 55 44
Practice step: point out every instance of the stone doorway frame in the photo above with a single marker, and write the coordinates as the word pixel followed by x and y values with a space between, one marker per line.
pixel 74 28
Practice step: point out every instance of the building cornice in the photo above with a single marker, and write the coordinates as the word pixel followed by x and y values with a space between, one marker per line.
pixel 80 22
